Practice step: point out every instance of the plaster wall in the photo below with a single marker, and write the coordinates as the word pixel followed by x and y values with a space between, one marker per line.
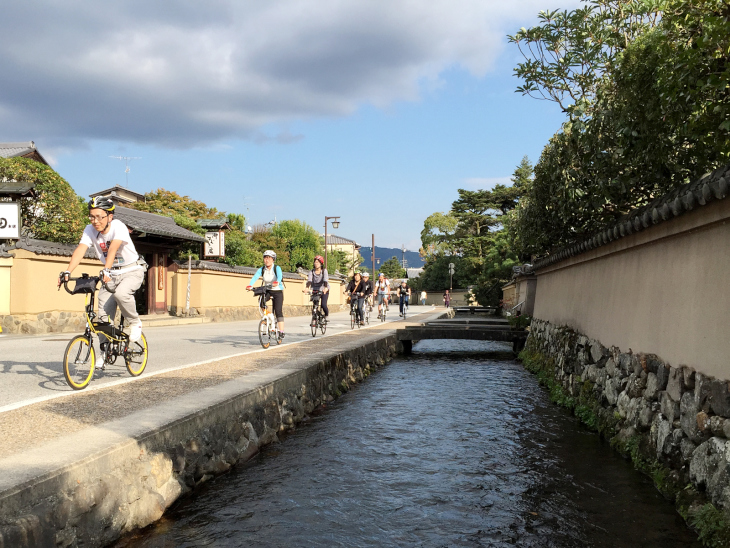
pixel 33 283
pixel 663 291
pixel 5 264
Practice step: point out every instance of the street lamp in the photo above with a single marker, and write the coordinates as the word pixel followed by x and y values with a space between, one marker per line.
pixel 335 224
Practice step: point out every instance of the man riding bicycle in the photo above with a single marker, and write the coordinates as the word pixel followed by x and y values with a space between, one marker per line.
pixel 382 289
pixel 404 292
pixel 123 271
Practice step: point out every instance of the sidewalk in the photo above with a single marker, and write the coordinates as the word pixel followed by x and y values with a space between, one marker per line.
pixel 33 425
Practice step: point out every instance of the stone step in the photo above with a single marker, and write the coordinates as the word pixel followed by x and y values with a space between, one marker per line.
pixel 160 320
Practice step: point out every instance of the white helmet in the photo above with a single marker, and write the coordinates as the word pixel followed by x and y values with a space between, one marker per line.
pixel 365 274
pixel 270 253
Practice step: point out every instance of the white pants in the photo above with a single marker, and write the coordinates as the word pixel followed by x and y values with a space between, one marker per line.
pixel 123 286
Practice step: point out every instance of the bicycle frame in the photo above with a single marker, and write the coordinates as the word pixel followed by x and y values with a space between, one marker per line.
pixel 108 330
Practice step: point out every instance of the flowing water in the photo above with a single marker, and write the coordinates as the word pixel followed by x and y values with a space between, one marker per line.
pixel 455 445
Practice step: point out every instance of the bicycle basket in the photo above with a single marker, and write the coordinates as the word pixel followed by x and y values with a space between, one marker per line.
pixel 85 285
pixel 258 291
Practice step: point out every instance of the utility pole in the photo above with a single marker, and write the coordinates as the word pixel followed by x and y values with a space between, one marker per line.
pixel 126 164
pixel 451 277
pixel 372 256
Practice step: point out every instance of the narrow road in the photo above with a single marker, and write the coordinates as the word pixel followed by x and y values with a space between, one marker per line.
pixel 31 366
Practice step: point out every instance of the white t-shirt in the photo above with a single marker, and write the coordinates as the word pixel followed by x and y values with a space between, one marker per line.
pixel 383 286
pixel 126 254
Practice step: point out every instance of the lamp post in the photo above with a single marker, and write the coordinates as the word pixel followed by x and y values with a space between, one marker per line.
pixel 335 225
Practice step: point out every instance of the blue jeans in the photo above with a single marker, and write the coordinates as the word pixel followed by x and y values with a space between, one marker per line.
pixel 403 300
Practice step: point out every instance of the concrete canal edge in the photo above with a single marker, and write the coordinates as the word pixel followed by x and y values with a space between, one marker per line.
pixel 91 487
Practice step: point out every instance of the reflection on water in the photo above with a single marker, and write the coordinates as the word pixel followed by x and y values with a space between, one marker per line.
pixel 442 448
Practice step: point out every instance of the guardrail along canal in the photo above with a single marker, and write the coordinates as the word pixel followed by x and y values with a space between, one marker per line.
pixel 440 448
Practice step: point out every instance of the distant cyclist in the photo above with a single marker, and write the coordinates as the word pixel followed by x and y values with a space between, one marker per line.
pixel 382 290
pixel 272 274
pixel 123 271
pixel 404 292
pixel 318 280
pixel 368 288
pixel 357 295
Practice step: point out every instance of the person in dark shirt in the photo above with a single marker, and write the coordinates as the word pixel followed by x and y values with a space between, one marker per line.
pixel 357 296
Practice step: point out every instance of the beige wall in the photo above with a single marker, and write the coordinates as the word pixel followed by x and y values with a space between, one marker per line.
pixel 5 264
pixel 33 283
pixel 509 296
pixel 662 291
pixel 210 288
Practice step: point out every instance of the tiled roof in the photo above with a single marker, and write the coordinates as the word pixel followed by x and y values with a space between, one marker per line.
pixel 15 187
pixel 713 186
pixel 337 240
pixel 213 223
pixel 4 252
pixel 152 223
pixel 42 247
pixel 13 150
pixel 222 267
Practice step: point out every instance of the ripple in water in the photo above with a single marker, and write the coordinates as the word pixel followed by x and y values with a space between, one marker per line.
pixel 443 448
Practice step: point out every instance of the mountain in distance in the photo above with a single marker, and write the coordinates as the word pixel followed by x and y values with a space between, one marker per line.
pixel 384 253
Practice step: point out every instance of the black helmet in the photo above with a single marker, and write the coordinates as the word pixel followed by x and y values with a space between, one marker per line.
pixel 102 202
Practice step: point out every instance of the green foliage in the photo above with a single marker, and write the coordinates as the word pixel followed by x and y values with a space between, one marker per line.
pixel 392 268
pixel 53 211
pixel 169 203
pixel 657 117
pixel 240 251
pixel 519 322
pixel 712 526
pixel 476 236
pixel 300 241
pixel 569 52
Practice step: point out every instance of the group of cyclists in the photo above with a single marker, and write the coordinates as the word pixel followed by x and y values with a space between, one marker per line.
pixel 123 274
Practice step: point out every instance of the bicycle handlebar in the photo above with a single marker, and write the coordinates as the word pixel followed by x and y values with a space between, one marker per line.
pixel 65 282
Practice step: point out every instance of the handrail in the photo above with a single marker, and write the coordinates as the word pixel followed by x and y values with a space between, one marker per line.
pixel 509 312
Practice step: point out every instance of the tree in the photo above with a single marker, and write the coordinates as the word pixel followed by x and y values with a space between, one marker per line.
pixel 169 203
pixel 569 52
pixel 392 268
pixel 300 241
pixel 53 211
pixel 438 228
pixel 658 119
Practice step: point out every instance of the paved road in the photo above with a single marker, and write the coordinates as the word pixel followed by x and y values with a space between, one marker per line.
pixel 31 368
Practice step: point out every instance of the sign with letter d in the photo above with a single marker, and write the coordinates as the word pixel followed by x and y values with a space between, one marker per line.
pixel 9 221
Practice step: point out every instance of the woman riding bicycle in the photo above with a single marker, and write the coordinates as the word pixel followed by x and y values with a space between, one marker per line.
pixel 271 274
pixel 356 290
pixel 318 280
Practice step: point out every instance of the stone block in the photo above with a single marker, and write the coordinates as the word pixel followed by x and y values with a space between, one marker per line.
pixel 720 398
pixel 688 418
pixel 689 377
pixel 703 422
pixel 597 351
pixel 686 449
pixel 652 387
pixel 611 367
pixel 702 392
pixel 669 407
pixel 675 384
pixel 717 426
pixel 612 391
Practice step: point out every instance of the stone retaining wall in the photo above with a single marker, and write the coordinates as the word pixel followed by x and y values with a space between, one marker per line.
pixel 45 322
pixel 673 420
pixel 128 486
pixel 237 313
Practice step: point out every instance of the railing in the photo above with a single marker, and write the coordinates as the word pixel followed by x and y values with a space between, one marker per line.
pixel 509 312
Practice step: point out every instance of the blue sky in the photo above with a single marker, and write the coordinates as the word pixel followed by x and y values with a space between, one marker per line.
pixel 381 136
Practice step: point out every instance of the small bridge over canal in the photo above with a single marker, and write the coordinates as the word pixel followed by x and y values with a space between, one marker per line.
pixel 479 329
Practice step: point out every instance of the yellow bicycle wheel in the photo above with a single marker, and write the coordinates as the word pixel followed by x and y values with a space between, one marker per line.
pixel 78 362
pixel 135 356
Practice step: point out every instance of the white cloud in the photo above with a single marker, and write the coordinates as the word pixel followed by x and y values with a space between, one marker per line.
pixel 191 73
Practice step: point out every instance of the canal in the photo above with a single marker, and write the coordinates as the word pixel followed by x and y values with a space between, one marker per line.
pixel 441 448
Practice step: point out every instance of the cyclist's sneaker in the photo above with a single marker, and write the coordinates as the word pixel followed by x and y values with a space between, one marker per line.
pixel 326 320
pixel 100 363
pixel 281 335
pixel 362 323
pixel 135 333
